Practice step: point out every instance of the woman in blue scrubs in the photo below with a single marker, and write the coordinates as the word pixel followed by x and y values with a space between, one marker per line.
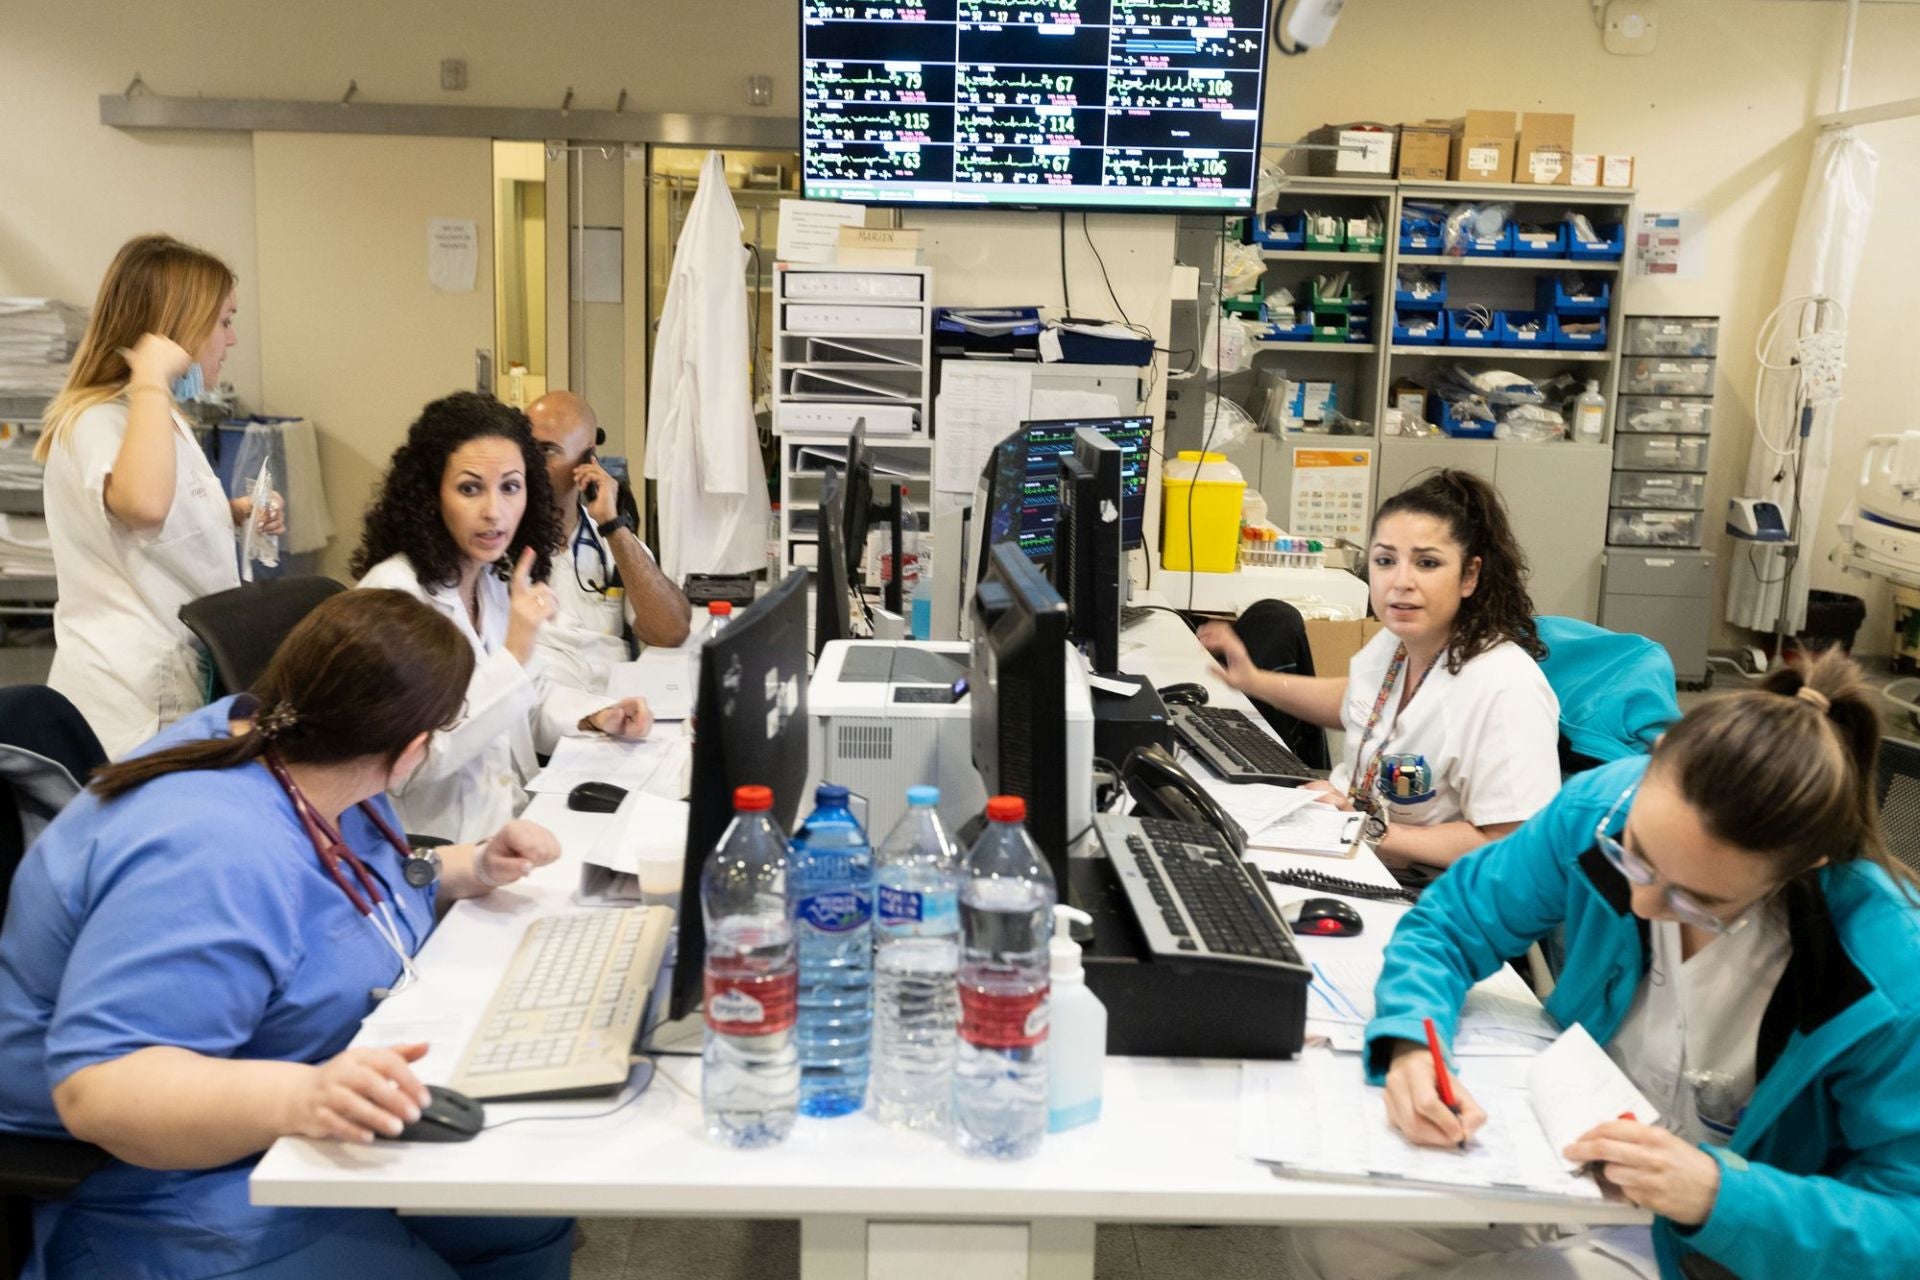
pixel 182 968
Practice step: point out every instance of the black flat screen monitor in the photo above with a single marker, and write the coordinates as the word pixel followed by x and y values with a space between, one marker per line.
pixel 859 500
pixel 1126 105
pixel 1017 682
pixel 832 613
pixel 1087 554
pixel 749 727
pixel 1046 442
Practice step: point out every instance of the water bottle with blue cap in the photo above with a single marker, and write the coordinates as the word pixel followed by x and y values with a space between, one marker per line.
pixel 830 883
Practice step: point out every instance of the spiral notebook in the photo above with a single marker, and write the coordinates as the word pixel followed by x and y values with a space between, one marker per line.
pixel 1316 1117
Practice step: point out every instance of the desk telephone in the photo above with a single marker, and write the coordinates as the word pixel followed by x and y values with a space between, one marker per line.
pixel 1162 789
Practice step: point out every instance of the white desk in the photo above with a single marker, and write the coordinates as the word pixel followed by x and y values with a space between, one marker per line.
pixel 1231 593
pixel 1165 1149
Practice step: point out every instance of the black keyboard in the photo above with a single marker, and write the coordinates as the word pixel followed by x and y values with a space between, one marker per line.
pixel 1193 898
pixel 1132 613
pixel 1237 749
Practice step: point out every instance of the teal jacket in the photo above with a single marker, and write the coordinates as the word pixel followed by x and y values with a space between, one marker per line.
pixel 1822 1176
pixel 1615 688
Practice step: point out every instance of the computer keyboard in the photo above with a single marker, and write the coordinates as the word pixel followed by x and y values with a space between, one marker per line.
pixel 1132 613
pixel 564 1018
pixel 1194 899
pixel 1236 748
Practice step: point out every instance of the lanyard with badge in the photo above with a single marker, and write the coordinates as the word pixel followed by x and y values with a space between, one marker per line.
pixel 337 859
pixel 1360 788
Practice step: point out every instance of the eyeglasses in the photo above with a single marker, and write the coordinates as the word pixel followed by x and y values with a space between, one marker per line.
pixel 1637 871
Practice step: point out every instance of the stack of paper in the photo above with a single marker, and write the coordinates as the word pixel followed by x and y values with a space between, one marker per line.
pixel 1285 818
pixel 25 551
pixel 1501 1017
pixel 37 338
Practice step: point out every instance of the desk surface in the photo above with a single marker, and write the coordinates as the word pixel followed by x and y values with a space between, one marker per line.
pixel 1167 1146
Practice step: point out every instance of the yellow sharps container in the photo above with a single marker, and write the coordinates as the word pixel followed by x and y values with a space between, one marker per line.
pixel 1209 487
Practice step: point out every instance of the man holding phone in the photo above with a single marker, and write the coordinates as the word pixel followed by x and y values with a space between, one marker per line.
pixel 606 582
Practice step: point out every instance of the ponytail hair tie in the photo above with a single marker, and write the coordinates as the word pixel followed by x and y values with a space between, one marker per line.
pixel 275 721
pixel 1820 701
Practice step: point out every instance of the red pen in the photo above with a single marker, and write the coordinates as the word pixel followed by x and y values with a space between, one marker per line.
pixel 1440 1079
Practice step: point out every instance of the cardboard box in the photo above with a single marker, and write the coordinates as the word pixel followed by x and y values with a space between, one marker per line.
pixel 1482 147
pixel 1373 159
pixel 1545 155
pixel 1586 169
pixel 1333 644
pixel 1616 171
pixel 1424 151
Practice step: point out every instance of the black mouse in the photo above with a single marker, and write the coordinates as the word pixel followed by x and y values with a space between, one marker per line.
pixel 1324 918
pixel 596 797
pixel 447 1117
pixel 1188 694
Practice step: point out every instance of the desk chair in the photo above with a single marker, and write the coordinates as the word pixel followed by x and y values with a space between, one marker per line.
pixel 242 627
pixel 1898 792
pixel 1616 691
pixel 46 753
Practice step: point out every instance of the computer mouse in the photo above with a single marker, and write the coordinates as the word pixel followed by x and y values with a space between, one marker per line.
pixel 1324 918
pixel 1188 694
pixel 447 1117
pixel 596 797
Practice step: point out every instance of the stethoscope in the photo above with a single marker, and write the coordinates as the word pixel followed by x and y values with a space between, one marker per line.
pixel 585 532
pixel 420 869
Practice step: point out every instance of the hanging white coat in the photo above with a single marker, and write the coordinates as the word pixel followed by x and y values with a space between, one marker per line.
pixel 701 444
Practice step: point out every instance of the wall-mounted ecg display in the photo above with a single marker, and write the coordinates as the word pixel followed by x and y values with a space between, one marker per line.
pixel 1116 104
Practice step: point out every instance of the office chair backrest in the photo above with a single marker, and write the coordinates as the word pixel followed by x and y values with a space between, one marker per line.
pixel 1899 792
pixel 1616 691
pixel 242 627
pixel 47 753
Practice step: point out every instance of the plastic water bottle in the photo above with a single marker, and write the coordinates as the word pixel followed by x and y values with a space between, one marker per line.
pixel 1006 925
pixel 831 888
pixel 916 954
pixel 750 1082
pixel 719 617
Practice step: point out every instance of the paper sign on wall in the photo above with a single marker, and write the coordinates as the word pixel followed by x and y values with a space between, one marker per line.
pixel 1671 245
pixel 810 229
pixel 453 253
pixel 1330 493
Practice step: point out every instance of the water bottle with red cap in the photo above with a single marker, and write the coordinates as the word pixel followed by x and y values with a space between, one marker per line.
pixel 1007 895
pixel 750 1082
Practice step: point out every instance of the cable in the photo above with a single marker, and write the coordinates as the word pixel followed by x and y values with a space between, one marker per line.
pixel 1088 233
pixel 1219 379
pixel 1066 294
pixel 639 1089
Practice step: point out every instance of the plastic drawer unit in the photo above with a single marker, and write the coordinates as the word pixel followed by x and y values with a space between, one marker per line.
pixel 1632 452
pixel 1659 490
pixel 1663 376
pixel 1632 527
pixel 1664 415
pixel 1695 336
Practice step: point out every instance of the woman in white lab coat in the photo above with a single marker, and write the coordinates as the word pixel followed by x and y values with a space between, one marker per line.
pixel 138 520
pixel 465 521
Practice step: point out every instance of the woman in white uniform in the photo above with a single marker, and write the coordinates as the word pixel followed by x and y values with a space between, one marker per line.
pixel 1451 729
pixel 465 521
pixel 138 520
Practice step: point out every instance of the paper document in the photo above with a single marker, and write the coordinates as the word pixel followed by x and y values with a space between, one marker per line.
pixel 978 408
pixel 1317 1117
pixel 664 677
pixel 646 828
pixel 1284 818
pixel 1500 1014
pixel 1575 1086
pixel 810 229
pixel 624 764
pixel 1053 403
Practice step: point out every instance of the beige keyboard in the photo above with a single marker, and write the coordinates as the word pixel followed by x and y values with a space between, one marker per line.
pixel 563 1021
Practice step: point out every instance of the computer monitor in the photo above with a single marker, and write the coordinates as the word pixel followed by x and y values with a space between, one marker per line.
pixel 997 505
pixel 832 614
pixel 1087 553
pixel 749 727
pixel 1046 441
pixel 1017 681
pixel 862 511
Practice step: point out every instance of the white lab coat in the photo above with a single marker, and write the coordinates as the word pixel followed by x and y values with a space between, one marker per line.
pixel 122 655
pixel 470 784
pixel 701 444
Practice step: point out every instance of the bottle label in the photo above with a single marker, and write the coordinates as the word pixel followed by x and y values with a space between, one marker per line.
pixel 752 1005
pixel 839 911
pixel 995 1020
pixel 905 906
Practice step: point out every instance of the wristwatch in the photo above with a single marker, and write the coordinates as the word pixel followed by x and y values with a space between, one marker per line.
pixel 1374 829
pixel 608 528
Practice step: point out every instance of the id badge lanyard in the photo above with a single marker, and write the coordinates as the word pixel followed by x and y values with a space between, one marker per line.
pixel 1360 792
pixel 337 860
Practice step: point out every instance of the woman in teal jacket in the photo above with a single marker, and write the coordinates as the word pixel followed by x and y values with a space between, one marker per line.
pixel 1739 941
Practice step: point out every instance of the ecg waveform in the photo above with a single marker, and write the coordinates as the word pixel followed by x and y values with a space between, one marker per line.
pixel 879 11
pixel 1038 13
pixel 1186 50
pixel 1175 170
pixel 1188 13
pixel 907 82
pixel 1195 91
pixel 841 162
pixel 879 123
pixel 1029 86
pixel 1027 166
pixel 1028 127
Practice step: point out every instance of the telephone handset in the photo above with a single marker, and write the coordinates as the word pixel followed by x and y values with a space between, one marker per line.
pixel 1162 789
pixel 593 455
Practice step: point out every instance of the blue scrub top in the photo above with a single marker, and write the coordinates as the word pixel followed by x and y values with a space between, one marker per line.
pixel 191 912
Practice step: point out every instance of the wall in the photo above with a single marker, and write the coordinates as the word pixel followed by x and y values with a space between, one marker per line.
pixel 1717 116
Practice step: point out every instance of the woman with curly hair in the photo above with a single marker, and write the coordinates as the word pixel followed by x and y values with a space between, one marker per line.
pixel 465 521
pixel 1451 729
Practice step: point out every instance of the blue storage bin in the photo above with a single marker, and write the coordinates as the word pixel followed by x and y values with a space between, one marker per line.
pixel 1550 294
pixel 1360 329
pixel 1595 341
pixel 1420 329
pixel 1432 302
pixel 1534 241
pixel 1610 249
pixel 1500 246
pixel 1277 230
pixel 1422 235
pixel 1512 325
pixel 1465 331
pixel 1300 331
pixel 1463 428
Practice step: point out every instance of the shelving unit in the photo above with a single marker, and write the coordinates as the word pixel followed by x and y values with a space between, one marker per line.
pixel 23 597
pixel 828 375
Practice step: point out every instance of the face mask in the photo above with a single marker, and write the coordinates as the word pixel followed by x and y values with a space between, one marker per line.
pixel 189 386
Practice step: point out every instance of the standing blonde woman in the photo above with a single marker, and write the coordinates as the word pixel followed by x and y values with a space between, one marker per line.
pixel 139 522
